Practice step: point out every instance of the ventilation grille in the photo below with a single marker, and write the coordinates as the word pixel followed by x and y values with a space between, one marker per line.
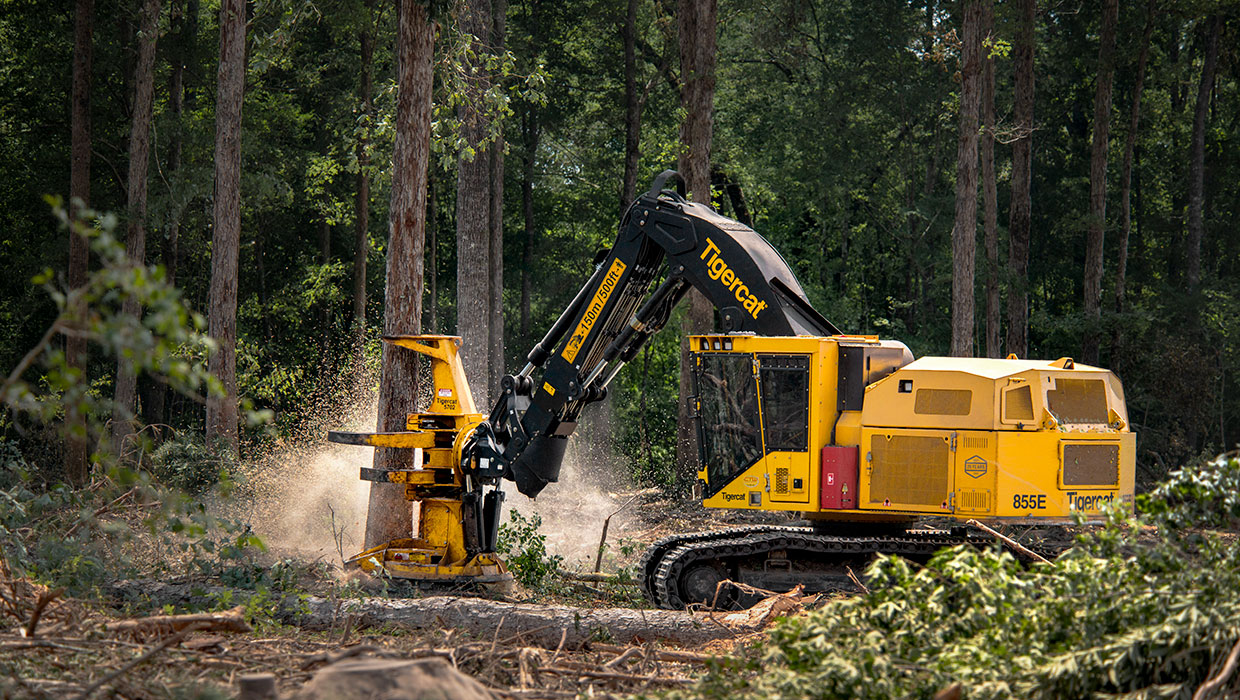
pixel 1078 401
pixel 974 501
pixel 976 443
pixel 1091 465
pixel 781 480
pixel 943 402
pixel 1019 404
pixel 909 469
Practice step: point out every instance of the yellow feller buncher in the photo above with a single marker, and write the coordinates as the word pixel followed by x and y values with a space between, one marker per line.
pixel 791 414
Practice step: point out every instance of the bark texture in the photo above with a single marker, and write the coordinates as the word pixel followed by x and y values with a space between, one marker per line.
pixel 964 232
pixel 632 109
pixel 473 217
pixel 125 395
pixel 540 625
pixel 389 515
pixel 1096 233
pixel 531 134
pixel 495 315
pixel 697 27
pixel 990 197
pixel 1125 178
pixel 1020 211
pixel 361 202
pixel 76 447
pixel 1197 158
pixel 226 236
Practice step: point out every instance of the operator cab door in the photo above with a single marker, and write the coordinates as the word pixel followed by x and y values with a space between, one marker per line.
pixel 784 387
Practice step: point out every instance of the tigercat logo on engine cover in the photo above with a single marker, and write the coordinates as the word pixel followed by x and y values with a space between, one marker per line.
pixel 719 271
pixel 729 497
pixel 592 312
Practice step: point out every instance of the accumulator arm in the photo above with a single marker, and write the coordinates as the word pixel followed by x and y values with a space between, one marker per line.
pixel 663 236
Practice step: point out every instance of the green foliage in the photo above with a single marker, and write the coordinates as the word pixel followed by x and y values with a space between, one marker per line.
pixel 1205 496
pixel 524 549
pixel 187 463
pixel 1114 617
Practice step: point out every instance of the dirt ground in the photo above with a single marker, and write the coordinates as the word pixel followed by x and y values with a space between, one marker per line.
pixel 53 647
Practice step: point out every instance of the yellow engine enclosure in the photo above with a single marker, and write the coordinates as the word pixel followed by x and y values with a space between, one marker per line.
pixel 965 438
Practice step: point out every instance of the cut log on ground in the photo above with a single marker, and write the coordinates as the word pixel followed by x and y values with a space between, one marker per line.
pixel 159 625
pixel 547 626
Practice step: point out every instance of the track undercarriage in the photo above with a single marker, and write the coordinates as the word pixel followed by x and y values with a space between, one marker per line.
pixel 682 570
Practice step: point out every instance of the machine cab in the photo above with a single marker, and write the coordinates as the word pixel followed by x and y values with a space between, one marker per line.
pixel 766 405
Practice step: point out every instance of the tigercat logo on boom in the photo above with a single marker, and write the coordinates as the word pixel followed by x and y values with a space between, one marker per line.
pixel 719 271
pixel 596 307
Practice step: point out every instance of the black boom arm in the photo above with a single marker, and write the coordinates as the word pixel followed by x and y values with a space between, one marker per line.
pixel 661 236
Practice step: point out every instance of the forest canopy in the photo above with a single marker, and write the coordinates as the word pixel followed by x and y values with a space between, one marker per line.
pixel 834 134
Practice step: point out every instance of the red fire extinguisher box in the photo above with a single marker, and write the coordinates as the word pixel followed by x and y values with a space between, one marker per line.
pixel 839 477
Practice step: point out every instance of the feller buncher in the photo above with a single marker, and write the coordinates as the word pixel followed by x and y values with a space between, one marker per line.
pixel 791 415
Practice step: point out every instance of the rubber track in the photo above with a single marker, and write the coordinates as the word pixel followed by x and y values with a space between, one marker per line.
pixel 648 565
pixel 664 562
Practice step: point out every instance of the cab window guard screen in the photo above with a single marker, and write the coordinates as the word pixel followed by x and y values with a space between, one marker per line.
pixel 785 402
pixel 728 427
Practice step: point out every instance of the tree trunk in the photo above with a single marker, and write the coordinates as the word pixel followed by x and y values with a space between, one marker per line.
pixel 1125 192
pixel 495 316
pixel 697 28
pixel 361 203
pixel 226 236
pixel 1098 182
pixel 547 626
pixel 432 247
pixel 125 396
pixel 964 232
pixel 1021 209
pixel 531 130
pixel 473 217
pixel 153 392
pixel 990 198
pixel 1197 158
pixel 76 447
pixel 632 110
pixel 389 515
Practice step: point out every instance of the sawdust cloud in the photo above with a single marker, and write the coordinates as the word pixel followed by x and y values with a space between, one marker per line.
pixel 590 488
pixel 304 492
pixel 303 496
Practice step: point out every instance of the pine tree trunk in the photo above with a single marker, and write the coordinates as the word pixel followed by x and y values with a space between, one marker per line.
pixel 473 218
pixel 1098 183
pixel 361 203
pixel 76 446
pixel 1125 192
pixel 389 515
pixel 432 247
pixel 125 396
pixel 495 321
pixel 527 211
pixel 632 110
pixel 990 197
pixel 1197 158
pixel 697 28
pixel 964 232
pixel 153 393
pixel 226 236
pixel 1021 209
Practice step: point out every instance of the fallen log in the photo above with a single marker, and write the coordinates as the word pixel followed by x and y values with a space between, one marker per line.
pixel 158 625
pixel 546 626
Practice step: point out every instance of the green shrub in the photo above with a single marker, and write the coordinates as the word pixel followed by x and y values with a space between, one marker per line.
pixel 524 549
pixel 1122 614
pixel 188 464
pixel 1206 496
